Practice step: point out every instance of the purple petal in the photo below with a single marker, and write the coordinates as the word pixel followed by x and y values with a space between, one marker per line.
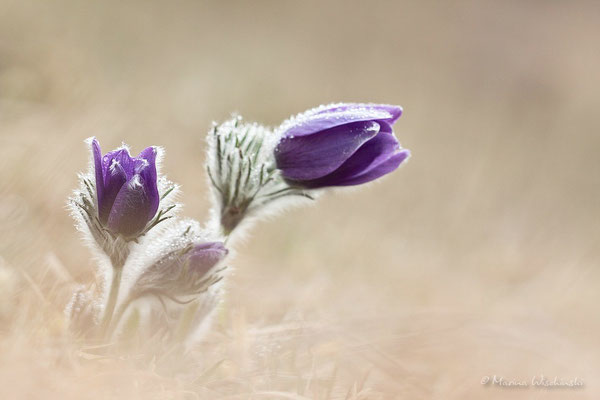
pixel 129 213
pixel 377 170
pixel 123 158
pixel 114 179
pixel 205 256
pixel 145 158
pixel 97 153
pixel 313 122
pixel 394 111
pixel 146 168
pixel 379 156
pixel 386 127
pixel 313 156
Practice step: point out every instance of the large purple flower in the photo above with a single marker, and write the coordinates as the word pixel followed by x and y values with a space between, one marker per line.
pixel 126 189
pixel 340 145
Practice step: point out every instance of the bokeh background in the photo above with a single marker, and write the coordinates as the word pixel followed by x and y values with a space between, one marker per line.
pixel 479 257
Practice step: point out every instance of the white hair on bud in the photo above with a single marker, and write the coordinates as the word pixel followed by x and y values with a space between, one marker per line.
pixel 243 175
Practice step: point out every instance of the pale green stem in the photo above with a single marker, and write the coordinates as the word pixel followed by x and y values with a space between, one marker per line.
pixel 112 300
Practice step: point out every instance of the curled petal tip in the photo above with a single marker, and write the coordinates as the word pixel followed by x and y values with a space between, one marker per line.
pixel 148 153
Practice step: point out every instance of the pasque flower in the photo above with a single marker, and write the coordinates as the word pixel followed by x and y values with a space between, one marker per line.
pixel 126 189
pixel 339 145
pixel 172 277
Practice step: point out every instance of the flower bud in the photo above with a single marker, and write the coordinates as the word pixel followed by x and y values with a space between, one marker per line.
pixel 183 272
pixel 242 172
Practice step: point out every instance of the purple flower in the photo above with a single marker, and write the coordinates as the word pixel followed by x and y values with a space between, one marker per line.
pixel 202 257
pixel 340 145
pixel 126 189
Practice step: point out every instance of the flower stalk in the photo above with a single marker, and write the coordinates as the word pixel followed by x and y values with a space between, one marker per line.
pixel 111 302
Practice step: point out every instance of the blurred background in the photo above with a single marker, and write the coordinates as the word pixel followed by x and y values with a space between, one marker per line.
pixel 479 257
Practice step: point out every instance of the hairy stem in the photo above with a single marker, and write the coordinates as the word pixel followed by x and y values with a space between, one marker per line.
pixel 112 300
pixel 118 314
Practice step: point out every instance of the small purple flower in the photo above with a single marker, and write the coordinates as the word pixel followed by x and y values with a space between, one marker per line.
pixel 340 145
pixel 183 272
pixel 202 257
pixel 126 189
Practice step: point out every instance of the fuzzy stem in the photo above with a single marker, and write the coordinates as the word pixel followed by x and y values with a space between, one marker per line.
pixel 112 300
pixel 120 311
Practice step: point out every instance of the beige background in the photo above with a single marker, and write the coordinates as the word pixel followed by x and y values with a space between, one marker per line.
pixel 478 257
